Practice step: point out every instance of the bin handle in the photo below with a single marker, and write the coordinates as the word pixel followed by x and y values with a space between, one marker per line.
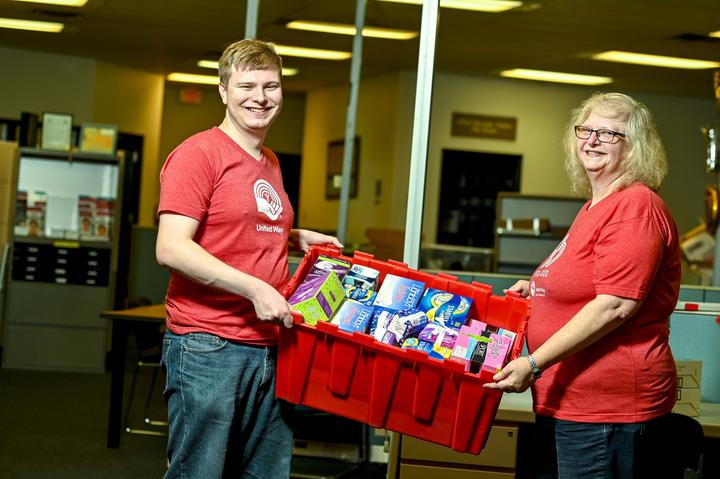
pixel 447 276
pixel 363 255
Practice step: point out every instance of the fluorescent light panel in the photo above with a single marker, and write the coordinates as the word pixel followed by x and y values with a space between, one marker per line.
pixel 346 29
pixel 212 79
pixel 65 3
pixel 32 25
pixel 286 72
pixel 654 60
pixel 556 77
pixel 311 53
pixel 491 6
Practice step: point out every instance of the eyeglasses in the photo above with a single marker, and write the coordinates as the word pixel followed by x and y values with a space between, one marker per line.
pixel 603 136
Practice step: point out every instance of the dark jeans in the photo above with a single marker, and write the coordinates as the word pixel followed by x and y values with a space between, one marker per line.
pixel 576 450
pixel 224 419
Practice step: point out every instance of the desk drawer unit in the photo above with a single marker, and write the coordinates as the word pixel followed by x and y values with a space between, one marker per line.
pixel 413 471
pixel 420 458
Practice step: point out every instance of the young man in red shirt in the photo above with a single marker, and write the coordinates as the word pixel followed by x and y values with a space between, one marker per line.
pixel 224 231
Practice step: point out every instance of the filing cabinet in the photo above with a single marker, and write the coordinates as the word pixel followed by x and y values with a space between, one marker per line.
pixel 61 276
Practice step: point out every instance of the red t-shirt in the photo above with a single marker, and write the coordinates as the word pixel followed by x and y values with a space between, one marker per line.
pixel 245 219
pixel 626 246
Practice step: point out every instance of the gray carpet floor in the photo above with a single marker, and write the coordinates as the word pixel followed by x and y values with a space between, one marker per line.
pixel 54 426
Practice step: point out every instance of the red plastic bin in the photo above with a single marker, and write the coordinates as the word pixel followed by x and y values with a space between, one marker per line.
pixel 402 390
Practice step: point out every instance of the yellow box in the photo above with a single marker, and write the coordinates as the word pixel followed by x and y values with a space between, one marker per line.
pixel 689 373
pixel 688 402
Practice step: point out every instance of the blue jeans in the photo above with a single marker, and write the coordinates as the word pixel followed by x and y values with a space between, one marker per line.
pixel 224 419
pixel 576 450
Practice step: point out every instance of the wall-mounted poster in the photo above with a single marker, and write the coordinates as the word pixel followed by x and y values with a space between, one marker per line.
pixel 56 131
pixel 333 179
pixel 96 138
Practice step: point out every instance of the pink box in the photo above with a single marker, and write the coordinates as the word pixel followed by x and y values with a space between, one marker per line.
pixel 496 354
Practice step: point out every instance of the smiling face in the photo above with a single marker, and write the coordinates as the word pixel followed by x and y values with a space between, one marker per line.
pixel 602 161
pixel 253 99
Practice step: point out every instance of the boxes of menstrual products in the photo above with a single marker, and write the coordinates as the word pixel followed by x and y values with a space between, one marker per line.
pixel 404 350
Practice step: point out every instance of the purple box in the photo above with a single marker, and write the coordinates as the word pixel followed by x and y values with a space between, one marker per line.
pixel 318 297
pixel 324 264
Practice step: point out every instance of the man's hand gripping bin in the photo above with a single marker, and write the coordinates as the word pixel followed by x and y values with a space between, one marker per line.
pixel 402 390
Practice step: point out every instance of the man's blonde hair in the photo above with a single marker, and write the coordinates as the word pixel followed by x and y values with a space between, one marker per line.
pixel 248 54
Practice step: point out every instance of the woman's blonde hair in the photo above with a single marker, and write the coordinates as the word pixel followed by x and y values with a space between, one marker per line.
pixel 645 159
pixel 248 54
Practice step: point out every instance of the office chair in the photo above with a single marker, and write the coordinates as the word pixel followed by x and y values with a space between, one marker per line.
pixel 689 441
pixel 676 451
pixel 148 339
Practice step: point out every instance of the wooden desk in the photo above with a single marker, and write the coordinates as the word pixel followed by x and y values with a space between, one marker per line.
pixel 518 408
pixel 122 320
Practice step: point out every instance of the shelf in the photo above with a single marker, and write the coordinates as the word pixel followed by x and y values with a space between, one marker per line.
pixel 70 156
pixel 530 234
pixel 63 243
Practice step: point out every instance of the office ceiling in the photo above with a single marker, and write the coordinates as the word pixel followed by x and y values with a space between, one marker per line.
pixel 171 35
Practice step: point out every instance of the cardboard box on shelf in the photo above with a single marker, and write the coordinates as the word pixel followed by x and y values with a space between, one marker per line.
pixel 688 402
pixel 689 373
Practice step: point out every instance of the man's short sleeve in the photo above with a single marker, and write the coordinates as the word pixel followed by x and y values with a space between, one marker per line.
pixel 186 183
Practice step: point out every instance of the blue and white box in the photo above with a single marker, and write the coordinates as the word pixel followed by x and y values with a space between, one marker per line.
pixel 362 277
pixel 450 310
pixel 353 316
pixel 399 293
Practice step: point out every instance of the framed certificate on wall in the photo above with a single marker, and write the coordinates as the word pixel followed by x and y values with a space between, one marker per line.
pixel 97 138
pixel 56 131
pixel 333 177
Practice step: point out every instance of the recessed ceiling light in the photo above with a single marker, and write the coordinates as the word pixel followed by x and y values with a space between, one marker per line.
pixel 65 3
pixel 32 25
pixel 316 53
pixel 492 6
pixel 286 71
pixel 654 60
pixel 346 29
pixel 556 77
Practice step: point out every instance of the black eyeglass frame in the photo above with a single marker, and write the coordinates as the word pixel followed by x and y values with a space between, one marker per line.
pixel 597 133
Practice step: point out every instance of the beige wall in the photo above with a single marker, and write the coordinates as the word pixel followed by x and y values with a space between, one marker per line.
pixel 286 134
pixel 139 102
pixel 92 92
pixel 133 100
pixel 325 118
pixel 181 120
pixel 37 82
pixel 541 111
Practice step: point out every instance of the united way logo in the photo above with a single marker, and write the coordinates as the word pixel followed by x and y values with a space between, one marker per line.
pixel 267 199
pixel 559 250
